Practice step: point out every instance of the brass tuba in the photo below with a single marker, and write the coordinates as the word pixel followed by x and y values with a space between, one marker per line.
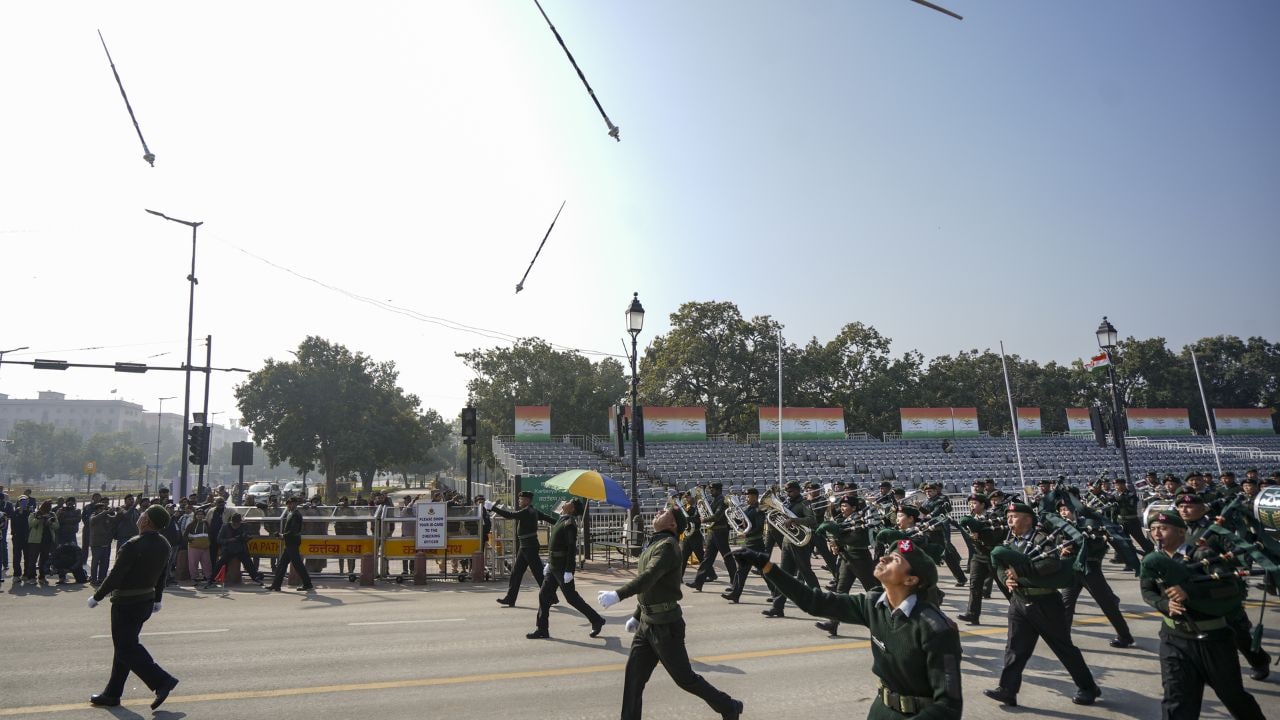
pixel 700 502
pixel 738 521
pixel 780 517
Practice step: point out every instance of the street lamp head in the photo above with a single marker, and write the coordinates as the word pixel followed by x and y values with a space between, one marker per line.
pixel 1107 335
pixel 635 316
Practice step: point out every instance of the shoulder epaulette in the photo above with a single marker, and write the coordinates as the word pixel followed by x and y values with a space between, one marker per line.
pixel 935 620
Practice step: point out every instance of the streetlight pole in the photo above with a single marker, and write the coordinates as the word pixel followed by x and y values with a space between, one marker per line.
pixel 635 323
pixel 1108 338
pixel 159 416
pixel 191 314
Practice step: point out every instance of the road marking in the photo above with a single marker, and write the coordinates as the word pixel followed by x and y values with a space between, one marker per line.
pixel 407 622
pixel 168 632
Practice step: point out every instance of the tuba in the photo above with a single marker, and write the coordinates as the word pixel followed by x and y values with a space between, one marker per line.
pixel 780 517
pixel 700 502
pixel 737 518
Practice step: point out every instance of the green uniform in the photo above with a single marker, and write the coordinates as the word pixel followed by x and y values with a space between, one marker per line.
pixel 916 658
pixel 562 553
pixel 983 538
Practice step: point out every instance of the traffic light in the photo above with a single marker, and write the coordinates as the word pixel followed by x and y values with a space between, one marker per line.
pixel 469 422
pixel 198 445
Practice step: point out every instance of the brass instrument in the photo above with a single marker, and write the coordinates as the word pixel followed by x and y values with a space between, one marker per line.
pixel 780 517
pixel 831 498
pixel 738 521
pixel 700 502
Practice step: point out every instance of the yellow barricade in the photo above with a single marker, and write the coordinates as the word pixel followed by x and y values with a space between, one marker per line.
pixel 402 548
pixel 333 546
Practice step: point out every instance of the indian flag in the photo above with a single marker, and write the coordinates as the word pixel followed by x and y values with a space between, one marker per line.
pixel 1097 361
pixel 1029 422
pixel 666 424
pixel 803 423
pixel 1243 421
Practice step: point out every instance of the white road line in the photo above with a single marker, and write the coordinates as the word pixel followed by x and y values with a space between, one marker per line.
pixel 408 622
pixel 168 632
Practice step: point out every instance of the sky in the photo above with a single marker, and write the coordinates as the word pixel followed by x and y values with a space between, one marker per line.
pixel 380 174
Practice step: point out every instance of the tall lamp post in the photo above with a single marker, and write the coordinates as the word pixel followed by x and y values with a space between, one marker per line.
pixel 191 314
pixel 159 415
pixel 635 323
pixel 1108 337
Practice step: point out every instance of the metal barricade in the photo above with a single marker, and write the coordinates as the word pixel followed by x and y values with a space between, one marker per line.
pixel 328 533
pixel 396 539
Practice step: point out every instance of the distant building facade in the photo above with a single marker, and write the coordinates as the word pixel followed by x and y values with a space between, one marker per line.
pixel 85 417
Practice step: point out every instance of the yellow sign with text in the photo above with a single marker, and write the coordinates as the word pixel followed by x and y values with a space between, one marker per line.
pixel 404 547
pixel 315 546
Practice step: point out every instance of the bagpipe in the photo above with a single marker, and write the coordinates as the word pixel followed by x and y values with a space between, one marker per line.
pixel 1213 583
pixel 1059 534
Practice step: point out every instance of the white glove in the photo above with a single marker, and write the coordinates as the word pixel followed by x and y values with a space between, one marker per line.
pixel 607 598
pixel 546 568
pixel 488 504
pixel 93 602
pixel 155 607
pixel 568 578
pixel 632 624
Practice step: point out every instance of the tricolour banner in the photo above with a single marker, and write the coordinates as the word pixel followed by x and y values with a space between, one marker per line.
pixel 1078 420
pixel 1158 421
pixel 1029 422
pixel 1243 421
pixel 939 422
pixel 802 423
pixel 533 423
pixel 668 424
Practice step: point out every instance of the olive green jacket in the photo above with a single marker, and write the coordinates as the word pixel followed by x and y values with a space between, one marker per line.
pixel 657 581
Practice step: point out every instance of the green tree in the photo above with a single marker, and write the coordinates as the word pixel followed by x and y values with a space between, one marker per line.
pixel 333 410
pixel 117 455
pixel 531 372
pixel 40 449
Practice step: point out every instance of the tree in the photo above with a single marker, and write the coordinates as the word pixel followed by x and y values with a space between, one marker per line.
pixel 333 410
pixel 117 455
pixel 41 449
pixel 531 372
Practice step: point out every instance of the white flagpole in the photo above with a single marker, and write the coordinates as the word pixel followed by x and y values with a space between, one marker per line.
pixel 779 408
pixel 1213 441
pixel 1013 417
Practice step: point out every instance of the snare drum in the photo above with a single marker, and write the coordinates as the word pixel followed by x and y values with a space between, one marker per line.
pixel 1266 507
pixel 1155 509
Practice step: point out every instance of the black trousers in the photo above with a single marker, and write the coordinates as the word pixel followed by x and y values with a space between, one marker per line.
pixel 795 560
pixel 664 643
pixel 1187 665
pixel 949 554
pixel 290 554
pixel 980 577
pixel 246 564
pixel 743 569
pixel 526 559
pixel 1133 528
pixel 126 623
pixel 828 557
pixel 1040 616
pixel 554 581
pixel 1242 629
pixel 691 546
pixel 854 565
pixel 717 542
pixel 1100 589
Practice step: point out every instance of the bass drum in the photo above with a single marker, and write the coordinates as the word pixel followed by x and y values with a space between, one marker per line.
pixel 1155 509
pixel 1266 508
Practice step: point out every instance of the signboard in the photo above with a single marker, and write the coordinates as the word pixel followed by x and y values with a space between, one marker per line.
pixel 1158 421
pixel 533 423
pixel 1029 422
pixel 802 423
pixel 430 532
pixel 401 548
pixel 315 545
pixel 668 424
pixel 545 499
pixel 939 422
pixel 1243 421
pixel 1078 420
pixel 90 467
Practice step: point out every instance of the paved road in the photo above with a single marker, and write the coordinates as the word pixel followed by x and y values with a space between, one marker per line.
pixel 448 650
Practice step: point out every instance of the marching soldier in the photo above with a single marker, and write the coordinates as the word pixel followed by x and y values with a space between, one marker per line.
pixel 915 648
pixel 906 528
pixel 1126 513
pixel 813 495
pixel 1227 487
pixel 1035 611
pixel 753 539
pixel 795 558
pixel 659 625
pixel 1093 579
pixel 562 550
pixel 1196 639
pixel 984 537
pixel 527 547
pixel 691 545
pixel 717 533
pixel 849 538
pixel 290 542
pixel 935 506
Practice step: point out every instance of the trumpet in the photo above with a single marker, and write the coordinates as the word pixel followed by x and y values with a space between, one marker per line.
pixel 780 517
pixel 733 512
pixel 830 499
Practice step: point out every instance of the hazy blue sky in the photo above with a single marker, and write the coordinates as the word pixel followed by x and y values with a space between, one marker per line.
pixel 1013 176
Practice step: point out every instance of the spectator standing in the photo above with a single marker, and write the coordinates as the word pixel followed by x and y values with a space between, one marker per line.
pixel 102 523
pixel 348 529
pixel 43 527
pixel 19 530
pixel 197 538
pixel 217 518
pixel 126 522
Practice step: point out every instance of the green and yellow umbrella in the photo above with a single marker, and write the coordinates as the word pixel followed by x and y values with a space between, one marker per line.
pixel 591 485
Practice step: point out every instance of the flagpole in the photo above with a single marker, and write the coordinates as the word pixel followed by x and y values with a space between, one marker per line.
pixel 1013 417
pixel 1213 441
pixel 780 408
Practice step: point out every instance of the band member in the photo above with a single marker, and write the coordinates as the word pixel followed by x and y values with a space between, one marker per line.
pixel 1196 643
pixel 1035 611
pixel 1127 515
pixel 849 537
pixel 935 506
pixel 1192 508
pixel 716 530
pixel 984 536
pixel 907 528
pixel 827 510
pixel 290 542
pixel 136 586
pixel 795 558
pixel 753 539
pixel 562 550
pixel 691 545
pixel 1227 486
pixel 527 547
pixel 914 647
pixel 1092 577
pixel 659 626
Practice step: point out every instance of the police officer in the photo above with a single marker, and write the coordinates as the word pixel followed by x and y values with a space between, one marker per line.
pixel 659 625
pixel 753 538
pixel 1126 513
pixel 915 648
pixel 1092 577
pixel 795 558
pixel 716 530
pixel 527 547
pixel 290 542
pixel 984 536
pixel 1035 611
pixel 1195 644
pixel 136 586
pixel 851 539
pixel 562 550
pixel 937 505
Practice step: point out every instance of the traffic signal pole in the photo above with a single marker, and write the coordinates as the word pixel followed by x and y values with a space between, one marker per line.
pixel 208 363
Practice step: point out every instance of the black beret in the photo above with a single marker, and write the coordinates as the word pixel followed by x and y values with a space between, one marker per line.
pixel 752 491
pixel 1021 507
pixel 1169 519
pixel 717 486
pixel 980 497
pixel 910 511
pixel 526 494
pixel 793 485
pixel 1189 499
